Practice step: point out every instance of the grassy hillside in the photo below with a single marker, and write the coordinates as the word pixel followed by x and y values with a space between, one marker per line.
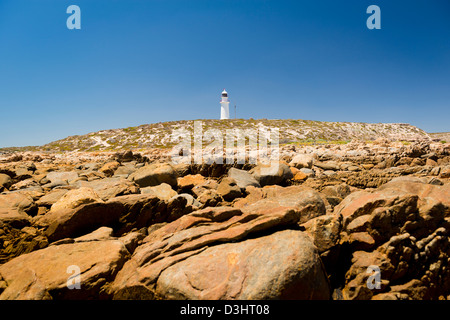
pixel 159 135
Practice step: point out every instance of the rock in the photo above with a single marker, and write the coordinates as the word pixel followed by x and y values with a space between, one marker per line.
pixel 445 173
pixel 328 165
pixel 325 231
pixel 361 241
pixel 389 211
pixel 431 162
pixel 132 240
pixel 417 162
pixel 190 180
pixel 228 189
pixel 243 178
pixel 329 173
pixel 340 190
pixel 102 233
pixel 276 173
pixel 154 174
pixel 420 188
pixel 300 176
pixel 75 198
pixel 302 161
pixel 182 169
pixel 25 184
pixel 22 173
pixel 180 205
pixel 109 188
pixel 162 191
pixel 51 197
pixel 190 200
pixel 357 289
pixel 58 176
pixel 206 193
pixel 55 183
pixel 15 242
pixel 109 168
pixel 367 166
pixel 122 213
pixel 191 234
pixel 16 208
pixel 284 265
pixel 124 171
pixel 207 185
pixel 308 172
pixel 435 171
pixel 44 274
pixel 436 182
pixel 306 202
pixel 353 168
pixel 129 156
pixel 5 181
pixel 405 223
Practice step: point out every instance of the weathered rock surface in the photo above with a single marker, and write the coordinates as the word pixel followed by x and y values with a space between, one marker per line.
pixel 274 173
pixel 242 178
pixel 155 174
pixel 121 212
pixel 162 191
pixel 16 208
pixel 315 226
pixel 302 161
pixel 167 249
pixel 403 229
pixel 283 265
pixel 44 274
pixel 5 181
pixel 75 198
pixel 108 188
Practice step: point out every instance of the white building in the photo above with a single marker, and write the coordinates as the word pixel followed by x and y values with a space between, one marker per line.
pixel 224 106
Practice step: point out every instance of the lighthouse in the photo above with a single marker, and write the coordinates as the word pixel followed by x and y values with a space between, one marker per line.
pixel 224 110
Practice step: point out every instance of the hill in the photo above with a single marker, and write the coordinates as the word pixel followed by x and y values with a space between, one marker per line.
pixel 158 135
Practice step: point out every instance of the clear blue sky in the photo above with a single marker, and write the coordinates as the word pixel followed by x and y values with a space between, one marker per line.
pixel 135 62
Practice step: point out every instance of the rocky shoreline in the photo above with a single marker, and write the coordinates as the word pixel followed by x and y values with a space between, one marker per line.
pixel 136 226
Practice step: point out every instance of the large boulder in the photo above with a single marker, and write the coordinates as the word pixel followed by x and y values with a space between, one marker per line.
pixel 189 181
pixel 155 174
pixel 110 187
pixel 307 202
pixel 267 267
pixel 51 197
pixel 122 213
pixel 283 265
pixel 302 161
pixel 5 181
pixel 16 208
pixel 328 165
pixel 243 178
pixel 401 228
pixel 75 198
pixel 44 274
pixel 228 189
pixel 57 176
pixel 273 173
pixel 162 191
pixel 418 187
pixel 109 168
pixel 125 170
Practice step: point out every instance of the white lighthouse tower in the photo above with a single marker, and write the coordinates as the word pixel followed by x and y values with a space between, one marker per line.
pixel 224 110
